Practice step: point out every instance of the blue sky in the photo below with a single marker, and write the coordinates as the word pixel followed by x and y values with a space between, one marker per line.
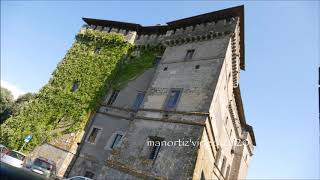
pixel 279 86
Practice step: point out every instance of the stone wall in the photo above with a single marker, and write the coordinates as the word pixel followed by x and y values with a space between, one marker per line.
pixel 109 119
pixel 173 162
pixel 207 111
pixel 197 84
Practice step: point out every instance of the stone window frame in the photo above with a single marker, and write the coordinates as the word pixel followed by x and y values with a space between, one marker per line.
pixel 223 164
pixel 187 56
pixel 97 137
pixel 143 99
pixel 218 156
pixel 152 149
pixel 157 61
pixel 164 106
pixel 112 98
pixel 112 139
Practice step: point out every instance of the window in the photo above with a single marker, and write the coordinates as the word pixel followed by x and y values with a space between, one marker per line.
pixel 228 20
pixel 172 99
pixel 93 135
pixel 232 148
pixel 116 140
pixel 202 176
pixel 155 147
pixel 89 174
pixel 97 50
pixel 113 97
pixel 75 86
pixel 189 54
pixel 218 156
pixel 227 172
pixel 223 164
pixel 197 66
pixel 138 101
pixel 157 60
pixel 126 32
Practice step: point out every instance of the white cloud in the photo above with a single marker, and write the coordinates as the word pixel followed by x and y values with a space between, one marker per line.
pixel 16 92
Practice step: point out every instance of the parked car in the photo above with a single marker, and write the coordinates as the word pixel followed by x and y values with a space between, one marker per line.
pixel 79 178
pixel 44 166
pixel 13 158
pixel 3 150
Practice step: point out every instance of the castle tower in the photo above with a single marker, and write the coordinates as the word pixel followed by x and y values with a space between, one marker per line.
pixel 189 101
pixel 170 107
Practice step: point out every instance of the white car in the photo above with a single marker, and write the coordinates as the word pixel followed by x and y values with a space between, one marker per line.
pixel 13 158
pixel 79 178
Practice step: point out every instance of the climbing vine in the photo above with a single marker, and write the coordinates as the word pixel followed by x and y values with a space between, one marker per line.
pixel 135 65
pixel 96 62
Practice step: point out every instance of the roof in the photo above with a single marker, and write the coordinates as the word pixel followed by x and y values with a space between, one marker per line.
pixel 237 11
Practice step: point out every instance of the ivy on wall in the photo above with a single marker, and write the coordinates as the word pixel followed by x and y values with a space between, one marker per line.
pixel 135 64
pixel 93 64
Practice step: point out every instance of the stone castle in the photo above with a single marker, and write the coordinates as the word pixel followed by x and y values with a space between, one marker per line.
pixel 189 101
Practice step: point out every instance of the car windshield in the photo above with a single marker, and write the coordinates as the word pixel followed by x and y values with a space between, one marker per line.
pixel 16 155
pixel 43 164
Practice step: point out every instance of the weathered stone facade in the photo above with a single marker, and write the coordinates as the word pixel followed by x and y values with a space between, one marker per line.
pixel 202 62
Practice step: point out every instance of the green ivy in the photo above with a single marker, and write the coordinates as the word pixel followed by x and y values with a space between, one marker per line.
pixel 133 66
pixel 96 62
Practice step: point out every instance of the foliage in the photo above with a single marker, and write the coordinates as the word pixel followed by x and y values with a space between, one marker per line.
pixel 6 101
pixel 91 61
pixel 133 66
pixel 19 103
pixel 94 64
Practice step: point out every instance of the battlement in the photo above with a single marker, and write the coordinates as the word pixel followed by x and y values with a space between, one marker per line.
pixel 196 28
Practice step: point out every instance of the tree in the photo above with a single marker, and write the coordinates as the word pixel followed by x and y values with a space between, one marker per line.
pixel 6 101
pixel 20 102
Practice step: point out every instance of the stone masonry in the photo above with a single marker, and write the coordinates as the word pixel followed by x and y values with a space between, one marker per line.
pixel 192 95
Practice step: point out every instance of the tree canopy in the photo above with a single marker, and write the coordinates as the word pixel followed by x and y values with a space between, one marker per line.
pixel 6 102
